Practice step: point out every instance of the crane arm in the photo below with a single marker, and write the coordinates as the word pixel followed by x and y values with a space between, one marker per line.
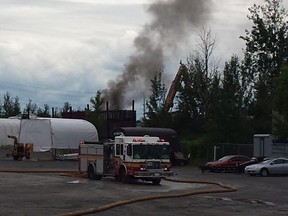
pixel 174 87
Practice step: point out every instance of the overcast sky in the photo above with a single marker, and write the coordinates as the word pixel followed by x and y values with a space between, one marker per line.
pixel 53 51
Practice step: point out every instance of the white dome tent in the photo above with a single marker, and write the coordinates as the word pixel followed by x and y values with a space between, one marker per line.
pixel 47 134
pixel 8 127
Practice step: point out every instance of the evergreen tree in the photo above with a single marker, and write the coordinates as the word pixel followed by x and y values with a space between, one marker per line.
pixel 155 116
pixel 280 120
pixel 266 52
pixel 45 112
pixel 95 116
pixel 192 97
pixel 97 102
pixel 66 107
pixel 31 108
pixel 10 107
pixel 233 115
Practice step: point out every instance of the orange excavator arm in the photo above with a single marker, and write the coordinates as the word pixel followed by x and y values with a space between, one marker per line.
pixel 174 87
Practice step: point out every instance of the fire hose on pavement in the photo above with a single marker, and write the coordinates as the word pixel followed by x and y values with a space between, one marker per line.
pixel 223 189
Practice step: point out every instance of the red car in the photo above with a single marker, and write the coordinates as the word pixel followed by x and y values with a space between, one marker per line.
pixel 227 163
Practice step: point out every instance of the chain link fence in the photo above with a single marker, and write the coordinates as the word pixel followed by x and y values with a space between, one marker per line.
pixel 223 149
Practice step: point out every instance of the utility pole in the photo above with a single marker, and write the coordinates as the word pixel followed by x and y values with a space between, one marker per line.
pixel 144 107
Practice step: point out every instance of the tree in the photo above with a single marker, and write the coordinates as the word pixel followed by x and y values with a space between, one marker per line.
pixel 10 107
pixel 95 116
pixel 97 102
pixel 232 113
pixel 206 45
pixel 31 108
pixel 17 108
pixel 206 67
pixel 157 98
pixel 66 107
pixel 45 112
pixel 155 116
pixel 7 105
pixel 266 52
pixel 280 128
pixel 194 98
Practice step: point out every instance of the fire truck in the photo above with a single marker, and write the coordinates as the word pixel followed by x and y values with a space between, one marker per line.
pixel 126 158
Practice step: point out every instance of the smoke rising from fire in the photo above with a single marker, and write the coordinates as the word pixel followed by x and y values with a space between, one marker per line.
pixel 172 23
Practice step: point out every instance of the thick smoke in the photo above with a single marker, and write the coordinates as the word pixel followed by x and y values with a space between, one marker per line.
pixel 172 23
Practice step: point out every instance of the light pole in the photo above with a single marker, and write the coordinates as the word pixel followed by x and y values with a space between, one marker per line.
pixel 215 151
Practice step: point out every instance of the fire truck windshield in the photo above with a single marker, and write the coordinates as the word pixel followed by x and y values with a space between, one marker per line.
pixel 149 151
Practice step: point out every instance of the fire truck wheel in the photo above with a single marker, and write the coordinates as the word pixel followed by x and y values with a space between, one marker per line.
pixel 98 177
pixel 156 181
pixel 91 172
pixel 123 175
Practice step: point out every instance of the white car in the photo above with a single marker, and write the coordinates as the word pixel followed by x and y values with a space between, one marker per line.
pixel 277 166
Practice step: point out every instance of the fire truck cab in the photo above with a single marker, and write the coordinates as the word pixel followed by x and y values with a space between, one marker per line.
pixel 126 158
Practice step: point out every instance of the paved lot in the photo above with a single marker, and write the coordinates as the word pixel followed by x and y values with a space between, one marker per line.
pixel 55 194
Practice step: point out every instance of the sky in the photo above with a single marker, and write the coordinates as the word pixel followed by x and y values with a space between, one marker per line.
pixel 53 51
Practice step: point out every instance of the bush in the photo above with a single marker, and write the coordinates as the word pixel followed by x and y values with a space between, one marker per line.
pixel 200 150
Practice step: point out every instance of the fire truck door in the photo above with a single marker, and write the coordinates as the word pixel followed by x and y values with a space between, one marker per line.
pixel 109 159
pixel 120 151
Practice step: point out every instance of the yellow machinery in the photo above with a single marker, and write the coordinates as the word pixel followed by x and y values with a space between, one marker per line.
pixel 20 150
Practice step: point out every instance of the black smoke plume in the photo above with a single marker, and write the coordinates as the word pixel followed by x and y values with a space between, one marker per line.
pixel 172 23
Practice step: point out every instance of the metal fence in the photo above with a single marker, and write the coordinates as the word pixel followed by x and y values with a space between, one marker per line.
pixel 222 149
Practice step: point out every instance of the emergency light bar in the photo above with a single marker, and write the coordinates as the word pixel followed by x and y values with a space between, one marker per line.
pixel 143 140
pixel 138 140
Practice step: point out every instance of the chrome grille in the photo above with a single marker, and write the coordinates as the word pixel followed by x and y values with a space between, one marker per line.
pixel 153 164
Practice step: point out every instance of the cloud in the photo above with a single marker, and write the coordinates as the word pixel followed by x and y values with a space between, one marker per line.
pixel 54 51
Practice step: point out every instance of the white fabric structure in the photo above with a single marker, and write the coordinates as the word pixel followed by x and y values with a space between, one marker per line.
pixel 8 127
pixel 48 133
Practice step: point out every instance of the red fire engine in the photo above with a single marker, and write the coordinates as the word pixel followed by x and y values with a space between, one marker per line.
pixel 126 158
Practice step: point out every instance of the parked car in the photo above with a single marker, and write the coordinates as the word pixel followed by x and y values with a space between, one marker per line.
pixel 254 160
pixel 178 158
pixel 277 166
pixel 226 163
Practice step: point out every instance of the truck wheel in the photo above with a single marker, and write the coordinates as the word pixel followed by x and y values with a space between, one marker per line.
pixel 123 176
pixel 156 181
pixel 98 177
pixel 91 172
pixel 15 157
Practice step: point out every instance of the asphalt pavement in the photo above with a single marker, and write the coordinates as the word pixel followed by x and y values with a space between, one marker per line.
pixel 56 194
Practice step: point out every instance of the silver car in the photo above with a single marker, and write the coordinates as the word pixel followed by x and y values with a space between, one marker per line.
pixel 277 166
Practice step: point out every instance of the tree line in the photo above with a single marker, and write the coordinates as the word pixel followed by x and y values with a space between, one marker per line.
pixel 10 106
pixel 249 96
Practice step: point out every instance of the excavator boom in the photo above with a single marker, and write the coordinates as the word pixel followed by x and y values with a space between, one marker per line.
pixel 174 87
